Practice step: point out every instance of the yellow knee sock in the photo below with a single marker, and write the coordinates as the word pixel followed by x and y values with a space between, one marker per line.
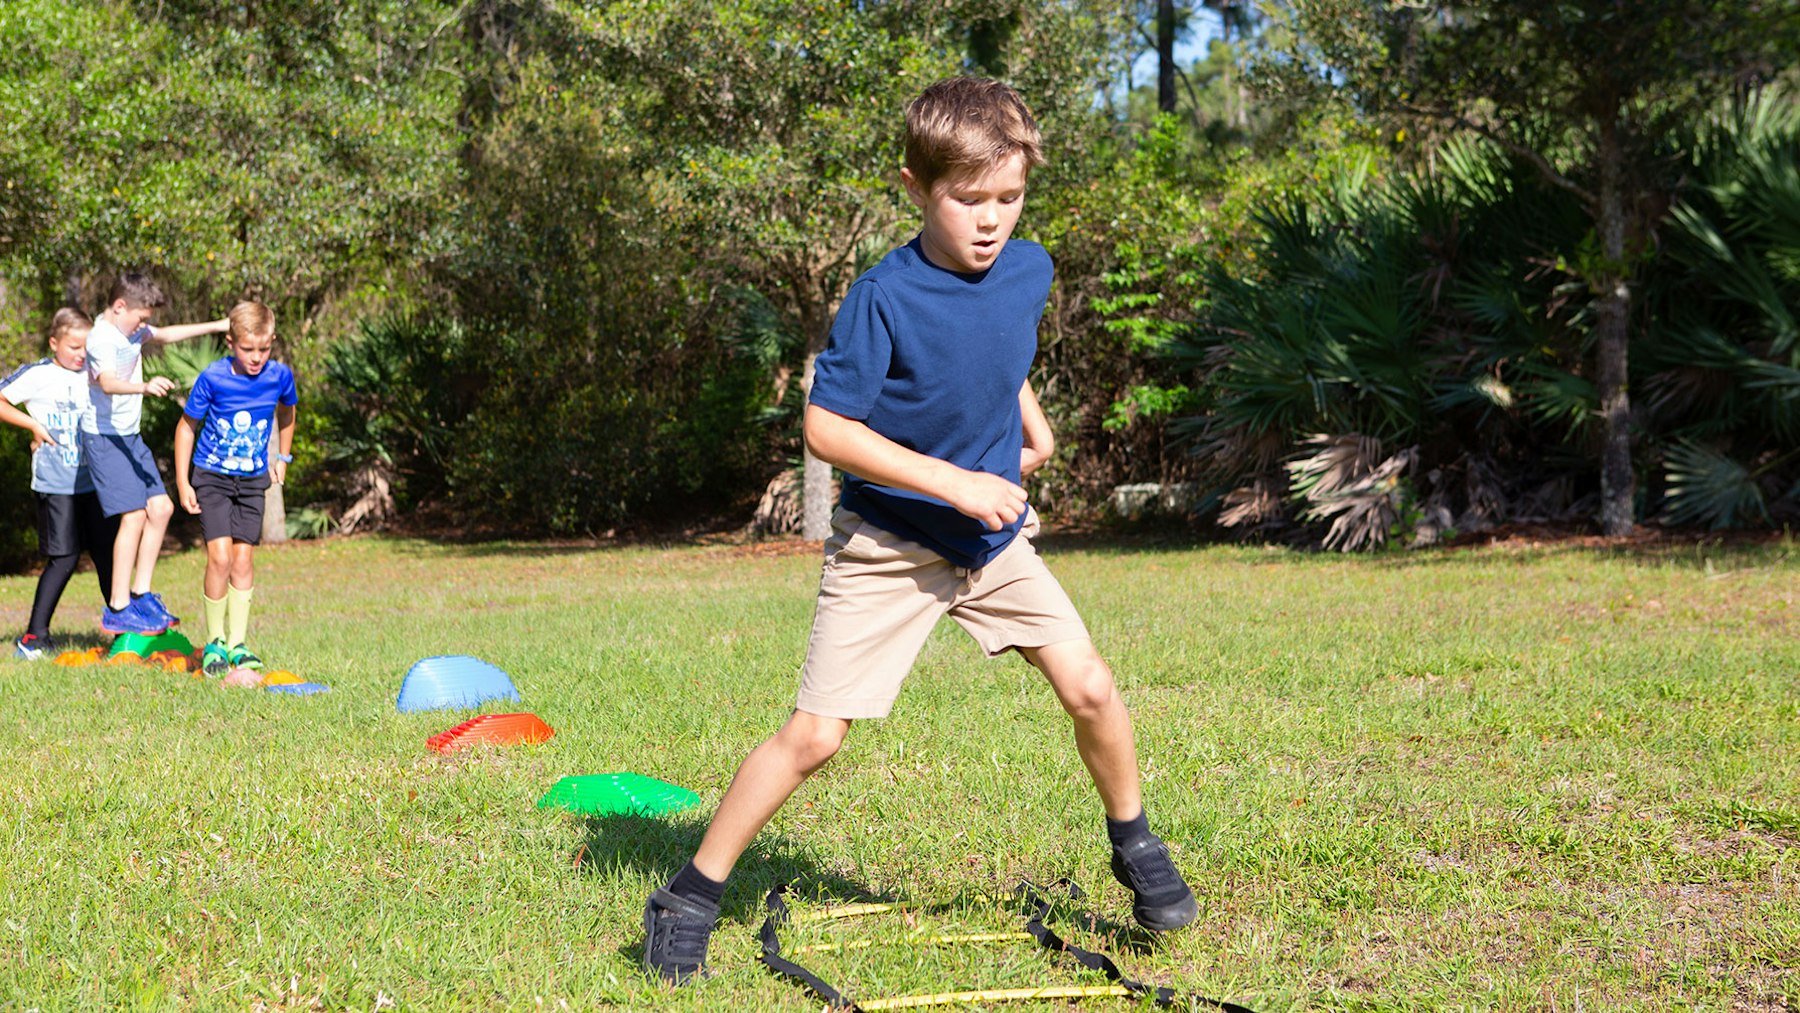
pixel 215 617
pixel 237 614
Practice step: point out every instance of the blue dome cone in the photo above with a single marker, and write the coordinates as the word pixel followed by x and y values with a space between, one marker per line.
pixel 453 681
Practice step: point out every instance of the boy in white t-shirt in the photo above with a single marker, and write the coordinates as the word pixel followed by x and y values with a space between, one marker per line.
pixel 54 391
pixel 125 474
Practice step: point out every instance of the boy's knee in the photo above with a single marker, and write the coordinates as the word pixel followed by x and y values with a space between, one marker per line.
pixel 159 509
pixel 814 740
pixel 218 553
pixel 1088 689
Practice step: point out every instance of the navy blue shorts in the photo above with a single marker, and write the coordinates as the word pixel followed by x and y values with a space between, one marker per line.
pixel 231 506
pixel 124 473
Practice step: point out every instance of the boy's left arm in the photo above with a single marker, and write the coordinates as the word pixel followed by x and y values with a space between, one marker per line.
pixel 284 443
pixel 182 332
pixel 1040 442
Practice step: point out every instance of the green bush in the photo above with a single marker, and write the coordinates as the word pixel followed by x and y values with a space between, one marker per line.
pixel 1410 356
pixel 18 505
pixel 527 430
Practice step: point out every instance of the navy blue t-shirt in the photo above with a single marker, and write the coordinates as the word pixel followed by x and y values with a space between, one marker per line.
pixel 933 360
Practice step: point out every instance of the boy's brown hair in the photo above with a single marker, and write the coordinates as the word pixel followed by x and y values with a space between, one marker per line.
pixel 964 124
pixel 67 321
pixel 138 291
pixel 250 317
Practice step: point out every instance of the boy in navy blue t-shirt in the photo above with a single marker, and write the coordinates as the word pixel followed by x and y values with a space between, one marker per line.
pixel 922 399
pixel 236 435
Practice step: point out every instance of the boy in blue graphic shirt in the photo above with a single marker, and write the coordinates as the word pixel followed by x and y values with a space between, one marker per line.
pixel 54 391
pixel 922 399
pixel 236 435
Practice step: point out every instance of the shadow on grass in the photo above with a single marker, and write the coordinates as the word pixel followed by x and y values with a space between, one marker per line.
pixel 1517 544
pixel 83 641
pixel 657 848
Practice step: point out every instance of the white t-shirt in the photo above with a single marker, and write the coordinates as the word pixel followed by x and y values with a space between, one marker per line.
pixel 122 355
pixel 58 398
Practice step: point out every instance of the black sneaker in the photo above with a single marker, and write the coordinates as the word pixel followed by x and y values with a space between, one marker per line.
pixel 676 931
pixel 1162 900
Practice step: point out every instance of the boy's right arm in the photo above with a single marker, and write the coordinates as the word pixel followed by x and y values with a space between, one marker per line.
pixel 182 332
pixel 851 445
pixel 184 458
pixel 39 435
pixel 156 386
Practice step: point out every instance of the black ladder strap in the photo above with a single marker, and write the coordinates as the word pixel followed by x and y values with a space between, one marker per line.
pixel 772 959
pixel 1049 940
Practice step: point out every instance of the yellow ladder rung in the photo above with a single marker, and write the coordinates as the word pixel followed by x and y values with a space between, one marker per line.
pixel 993 995
pixel 863 944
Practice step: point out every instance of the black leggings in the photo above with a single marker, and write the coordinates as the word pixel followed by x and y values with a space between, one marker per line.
pixel 57 571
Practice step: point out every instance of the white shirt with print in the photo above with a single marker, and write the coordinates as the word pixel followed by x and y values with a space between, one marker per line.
pixel 57 398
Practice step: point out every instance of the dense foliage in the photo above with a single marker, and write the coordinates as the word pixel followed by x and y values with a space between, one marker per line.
pixel 559 267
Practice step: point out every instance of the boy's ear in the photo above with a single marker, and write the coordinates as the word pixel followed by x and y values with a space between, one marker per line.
pixel 914 192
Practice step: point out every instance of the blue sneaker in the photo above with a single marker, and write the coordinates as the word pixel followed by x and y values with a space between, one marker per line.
pixel 152 605
pixel 133 618
pixel 32 647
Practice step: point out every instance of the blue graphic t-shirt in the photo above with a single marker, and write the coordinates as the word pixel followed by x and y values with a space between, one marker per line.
pixel 58 398
pixel 235 416
pixel 933 360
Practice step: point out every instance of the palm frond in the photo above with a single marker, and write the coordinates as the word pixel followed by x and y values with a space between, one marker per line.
pixel 1706 487
pixel 1346 480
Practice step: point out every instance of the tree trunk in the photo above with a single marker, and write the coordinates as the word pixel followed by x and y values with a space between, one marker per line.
pixel 815 519
pixel 274 526
pixel 1613 337
pixel 1165 55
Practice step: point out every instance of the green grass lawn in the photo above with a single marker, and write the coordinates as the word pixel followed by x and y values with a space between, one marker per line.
pixel 1506 778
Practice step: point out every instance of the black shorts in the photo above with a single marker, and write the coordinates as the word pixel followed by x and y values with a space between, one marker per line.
pixel 231 506
pixel 71 522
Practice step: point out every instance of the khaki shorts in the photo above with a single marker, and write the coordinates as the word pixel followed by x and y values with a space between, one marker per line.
pixel 880 595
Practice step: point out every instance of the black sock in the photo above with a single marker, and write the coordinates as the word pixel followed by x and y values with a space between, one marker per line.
pixel 691 884
pixel 1121 832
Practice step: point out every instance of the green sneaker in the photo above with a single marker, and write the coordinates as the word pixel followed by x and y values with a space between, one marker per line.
pixel 215 660
pixel 240 657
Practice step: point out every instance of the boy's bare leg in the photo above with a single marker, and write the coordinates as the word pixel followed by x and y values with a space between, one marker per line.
pixel 243 566
pixel 125 554
pixel 1161 899
pixel 218 568
pixel 1084 685
pixel 763 782
pixel 156 522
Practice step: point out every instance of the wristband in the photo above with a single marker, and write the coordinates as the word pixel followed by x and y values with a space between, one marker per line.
pixel 284 458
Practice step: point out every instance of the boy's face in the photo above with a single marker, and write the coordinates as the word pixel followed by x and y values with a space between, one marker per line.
pixel 129 318
pixel 969 217
pixel 70 350
pixel 252 351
